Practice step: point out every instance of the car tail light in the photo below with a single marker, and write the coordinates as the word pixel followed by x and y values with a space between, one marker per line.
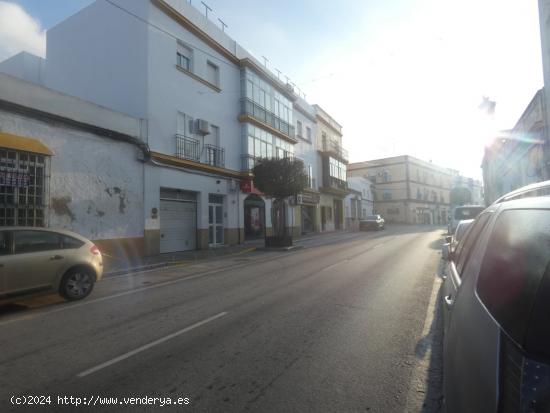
pixel 94 250
pixel 524 382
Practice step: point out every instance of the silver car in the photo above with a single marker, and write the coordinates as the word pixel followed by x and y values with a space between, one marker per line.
pixel 496 297
pixel 38 260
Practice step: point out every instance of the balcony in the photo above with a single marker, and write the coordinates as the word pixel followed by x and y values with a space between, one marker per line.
pixel 215 155
pixel 188 148
pixel 252 109
pixel 335 186
pixel 247 162
pixel 334 149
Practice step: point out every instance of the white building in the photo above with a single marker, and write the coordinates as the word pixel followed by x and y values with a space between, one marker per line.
pixel 49 178
pixel 211 110
pixel 360 202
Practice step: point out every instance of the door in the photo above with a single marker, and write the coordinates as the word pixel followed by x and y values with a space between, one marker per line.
pixel 215 222
pixel 5 249
pixel 178 225
pixel 36 262
pixel 470 336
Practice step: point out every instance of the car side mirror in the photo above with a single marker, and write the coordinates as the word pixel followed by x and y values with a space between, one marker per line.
pixel 448 239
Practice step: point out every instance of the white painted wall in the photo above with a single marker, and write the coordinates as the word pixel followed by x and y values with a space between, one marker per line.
pixel 25 66
pixel 103 193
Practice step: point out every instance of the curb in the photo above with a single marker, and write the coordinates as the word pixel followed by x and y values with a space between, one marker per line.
pixel 167 264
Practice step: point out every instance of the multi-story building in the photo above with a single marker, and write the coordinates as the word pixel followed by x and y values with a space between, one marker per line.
pixel 408 189
pixel 307 213
pixel 333 162
pixel 517 157
pixel 210 110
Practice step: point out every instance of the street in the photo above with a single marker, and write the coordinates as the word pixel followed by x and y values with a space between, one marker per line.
pixel 337 325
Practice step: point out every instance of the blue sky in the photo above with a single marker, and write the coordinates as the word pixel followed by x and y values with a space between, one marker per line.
pixel 401 76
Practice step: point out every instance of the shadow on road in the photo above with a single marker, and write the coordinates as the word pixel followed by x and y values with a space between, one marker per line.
pixel 429 350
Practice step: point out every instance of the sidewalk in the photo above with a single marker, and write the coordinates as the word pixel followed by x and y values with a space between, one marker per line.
pixel 122 265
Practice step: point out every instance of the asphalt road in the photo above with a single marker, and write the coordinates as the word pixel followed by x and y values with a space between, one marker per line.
pixel 336 326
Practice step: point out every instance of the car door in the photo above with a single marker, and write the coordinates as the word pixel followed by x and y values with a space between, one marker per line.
pixel 469 361
pixel 35 263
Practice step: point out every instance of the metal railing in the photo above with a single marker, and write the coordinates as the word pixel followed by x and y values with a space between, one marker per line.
pixel 215 155
pixel 247 162
pixel 335 149
pixel 251 108
pixel 188 148
pixel 337 183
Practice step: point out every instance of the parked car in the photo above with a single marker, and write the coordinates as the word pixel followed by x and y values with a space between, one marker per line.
pixel 37 260
pixel 463 212
pixel 372 222
pixel 496 346
pixel 453 240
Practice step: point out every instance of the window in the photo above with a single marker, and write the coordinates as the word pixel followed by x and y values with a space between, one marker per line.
pixel 387 176
pixel 184 56
pixel 260 142
pixel 70 242
pixel 308 133
pixel 299 128
pixel 337 169
pixel 23 188
pixel 465 247
pixel 212 73
pixel 513 267
pixel 185 125
pixel 4 242
pixel 215 134
pixel 35 241
pixel 310 176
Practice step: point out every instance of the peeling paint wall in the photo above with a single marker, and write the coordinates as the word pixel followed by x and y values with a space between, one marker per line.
pixel 96 184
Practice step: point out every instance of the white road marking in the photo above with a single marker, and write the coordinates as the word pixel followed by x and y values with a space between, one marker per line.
pixel 148 346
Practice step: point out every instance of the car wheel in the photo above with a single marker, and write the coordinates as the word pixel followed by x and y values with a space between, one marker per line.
pixel 76 284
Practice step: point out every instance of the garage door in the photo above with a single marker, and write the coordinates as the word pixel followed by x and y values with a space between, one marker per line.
pixel 178 226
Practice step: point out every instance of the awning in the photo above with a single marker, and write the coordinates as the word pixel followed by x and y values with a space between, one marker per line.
pixel 20 143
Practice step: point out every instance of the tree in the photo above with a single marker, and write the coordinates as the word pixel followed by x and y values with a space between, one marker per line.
pixel 280 179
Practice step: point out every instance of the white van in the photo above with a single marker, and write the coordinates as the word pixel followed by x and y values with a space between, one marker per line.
pixel 463 212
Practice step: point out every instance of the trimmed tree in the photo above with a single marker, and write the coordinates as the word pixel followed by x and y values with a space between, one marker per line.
pixel 280 179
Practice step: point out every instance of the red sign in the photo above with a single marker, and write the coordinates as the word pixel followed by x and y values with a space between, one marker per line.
pixel 247 186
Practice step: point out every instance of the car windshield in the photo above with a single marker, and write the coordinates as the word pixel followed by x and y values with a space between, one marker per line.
pixel 235 206
pixel 467 212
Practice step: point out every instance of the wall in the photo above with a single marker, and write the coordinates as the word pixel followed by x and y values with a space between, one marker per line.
pixel 100 196
pixel 100 54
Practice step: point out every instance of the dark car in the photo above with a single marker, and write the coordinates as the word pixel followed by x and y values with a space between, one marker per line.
pixel 375 222
pixel 496 345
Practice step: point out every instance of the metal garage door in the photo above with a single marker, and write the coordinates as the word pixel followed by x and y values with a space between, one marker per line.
pixel 178 225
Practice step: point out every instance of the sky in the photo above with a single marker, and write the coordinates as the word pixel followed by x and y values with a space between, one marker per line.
pixel 400 76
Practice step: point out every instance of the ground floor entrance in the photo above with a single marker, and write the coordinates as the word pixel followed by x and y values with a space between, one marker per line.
pixel 178 220
pixel 254 217
pixel 308 219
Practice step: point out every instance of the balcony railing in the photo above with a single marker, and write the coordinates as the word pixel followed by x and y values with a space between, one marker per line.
pixel 335 149
pixel 188 148
pixel 337 183
pixel 215 155
pixel 247 162
pixel 248 107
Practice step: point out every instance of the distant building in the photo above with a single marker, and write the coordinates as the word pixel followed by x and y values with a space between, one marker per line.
pixel 360 202
pixel 407 189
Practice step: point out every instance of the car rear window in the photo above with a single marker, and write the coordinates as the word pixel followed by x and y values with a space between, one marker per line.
pixel 34 241
pixel 70 242
pixel 467 213
pixel 516 259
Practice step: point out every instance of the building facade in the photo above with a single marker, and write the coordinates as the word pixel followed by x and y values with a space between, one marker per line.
pixel 332 162
pixel 359 203
pixel 517 157
pixel 407 189
pixel 210 110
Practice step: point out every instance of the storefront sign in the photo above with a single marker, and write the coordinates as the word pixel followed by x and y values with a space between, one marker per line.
pixel 247 186
pixel 307 198
pixel 19 178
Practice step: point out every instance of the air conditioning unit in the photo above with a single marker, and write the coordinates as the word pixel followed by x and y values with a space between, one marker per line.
pixel 202 127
